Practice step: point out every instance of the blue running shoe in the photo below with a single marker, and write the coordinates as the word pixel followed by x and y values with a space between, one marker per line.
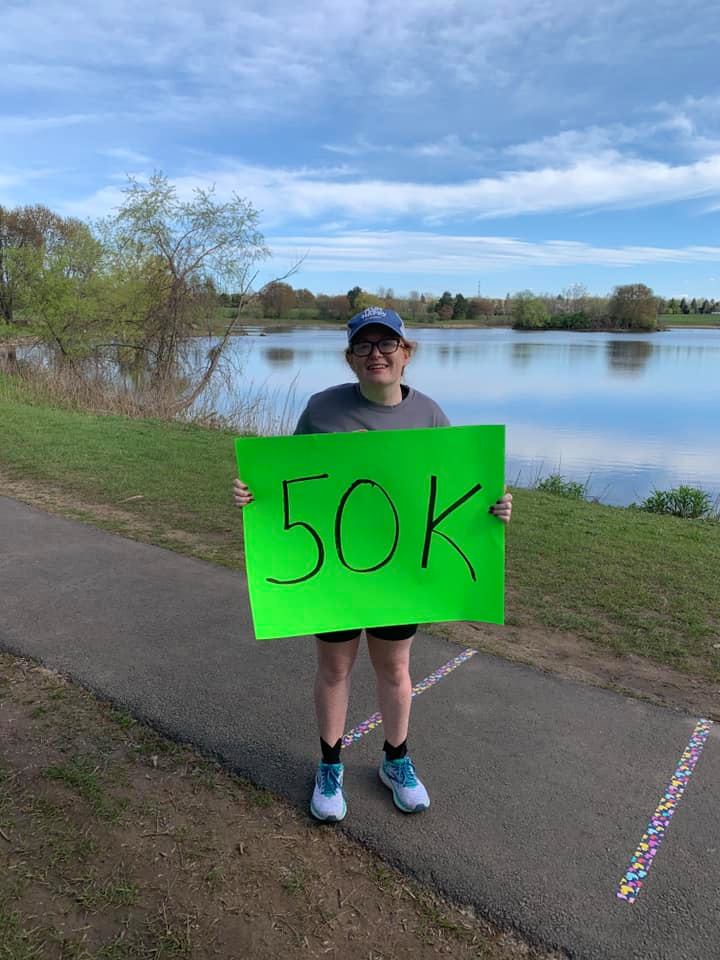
pixel 328 802
pixel 409 794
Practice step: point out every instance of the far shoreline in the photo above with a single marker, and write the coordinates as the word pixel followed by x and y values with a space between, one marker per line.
pixel 215 327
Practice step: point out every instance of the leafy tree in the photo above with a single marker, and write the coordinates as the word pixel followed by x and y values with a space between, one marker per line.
pixel 528 311
pixel 460 307
pixel 672 307
pixel 69 293
pixel 339 308
pixel 25 231
pixel 444 306
pixel 178 252
pixel 693 306
pixel 277 298
pixel 480 307
pixel 633 307
pixel 333 308
pixel 353 296
pixel 305 299
pixel 364 300
pixel 684 308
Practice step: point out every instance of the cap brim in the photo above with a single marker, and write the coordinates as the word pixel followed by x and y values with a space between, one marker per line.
pixel 373 322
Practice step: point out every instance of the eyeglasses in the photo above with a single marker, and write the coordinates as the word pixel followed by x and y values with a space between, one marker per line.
pixel 363 348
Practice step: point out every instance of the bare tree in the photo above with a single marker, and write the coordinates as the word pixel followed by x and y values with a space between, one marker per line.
pixel 180 253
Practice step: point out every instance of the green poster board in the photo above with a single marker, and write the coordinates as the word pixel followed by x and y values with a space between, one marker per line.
pixel 373 528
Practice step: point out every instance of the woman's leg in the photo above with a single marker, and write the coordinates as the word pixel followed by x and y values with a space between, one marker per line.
pixel 391 661
pixel 332 686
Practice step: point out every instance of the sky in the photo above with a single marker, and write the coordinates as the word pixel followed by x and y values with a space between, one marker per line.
pixel 469 145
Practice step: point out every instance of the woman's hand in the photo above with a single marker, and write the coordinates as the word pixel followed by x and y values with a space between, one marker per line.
pixel 503 508
pixel 241 494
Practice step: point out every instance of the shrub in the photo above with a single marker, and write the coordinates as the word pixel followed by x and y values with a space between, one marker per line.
pixel 691 503
pixel 560 487
pixel 571 321
pixel 529 312
pixel 633 307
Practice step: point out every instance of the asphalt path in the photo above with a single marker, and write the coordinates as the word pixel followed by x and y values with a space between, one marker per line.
pixel 541 787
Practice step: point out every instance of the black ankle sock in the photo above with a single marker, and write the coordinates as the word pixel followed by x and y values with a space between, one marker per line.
pixel 330 754
pixel 395 753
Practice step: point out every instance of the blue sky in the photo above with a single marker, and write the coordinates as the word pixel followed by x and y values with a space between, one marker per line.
pixel 512 144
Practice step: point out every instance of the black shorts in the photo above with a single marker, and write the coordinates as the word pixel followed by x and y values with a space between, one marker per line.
pixel 401 632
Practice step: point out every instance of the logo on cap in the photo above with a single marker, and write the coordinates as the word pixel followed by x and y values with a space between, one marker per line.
pixel 369 312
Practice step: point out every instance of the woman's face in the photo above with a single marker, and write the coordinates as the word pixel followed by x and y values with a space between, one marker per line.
pixel 378 368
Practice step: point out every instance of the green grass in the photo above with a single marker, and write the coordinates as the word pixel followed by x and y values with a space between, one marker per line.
pixel 293 879
pixel 559 486
pixel 627 580
pixel 116 891
pixel 17 943
pixel 178 475
pixel 80 774
pixel 689 320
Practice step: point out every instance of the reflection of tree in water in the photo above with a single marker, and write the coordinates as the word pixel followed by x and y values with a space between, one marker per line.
pixel 520 353
pixel 443 354
pixel 279 356
pixel 628 356
pixel 581 353
pixel 446 353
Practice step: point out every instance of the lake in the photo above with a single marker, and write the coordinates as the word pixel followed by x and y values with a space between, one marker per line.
pixel 626 412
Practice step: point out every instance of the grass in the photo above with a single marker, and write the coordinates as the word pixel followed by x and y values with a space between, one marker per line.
pixel 689 320
pixel 626 580
pixel 170 475
pixel 80 774
pixel 17 943
pixel 293 879
pixel 562 487
pixel 116 891
pixel 690 503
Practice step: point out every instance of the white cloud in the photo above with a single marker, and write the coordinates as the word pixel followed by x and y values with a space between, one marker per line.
pixel 610 181
pixel 101 203
pixel 13 125
pixel 128 156
pixel 423 253
pixel 12 179
pixel 146 52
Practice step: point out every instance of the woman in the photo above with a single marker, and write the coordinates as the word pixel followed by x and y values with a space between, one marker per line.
pixel 377 353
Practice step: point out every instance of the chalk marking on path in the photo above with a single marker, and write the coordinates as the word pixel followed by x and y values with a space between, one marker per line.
pixel 358 732
pixel 641 860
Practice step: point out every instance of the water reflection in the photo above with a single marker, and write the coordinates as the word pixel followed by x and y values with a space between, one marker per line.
pixel 629 412
pixel 279 356
pixel 628 357
pixel 443 354
pixel 520 354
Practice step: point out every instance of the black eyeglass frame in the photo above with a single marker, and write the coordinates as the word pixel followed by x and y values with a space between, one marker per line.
pixel 370 344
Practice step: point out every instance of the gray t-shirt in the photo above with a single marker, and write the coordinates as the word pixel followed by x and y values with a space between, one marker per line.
pixel 343 408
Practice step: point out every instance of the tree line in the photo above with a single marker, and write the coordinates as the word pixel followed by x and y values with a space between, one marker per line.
pixel 630 306
pixel 145 279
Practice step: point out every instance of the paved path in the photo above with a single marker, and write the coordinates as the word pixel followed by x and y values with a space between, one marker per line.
pixel 541 787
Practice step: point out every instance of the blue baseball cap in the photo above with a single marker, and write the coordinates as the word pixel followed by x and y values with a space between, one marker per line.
pixel 383 316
